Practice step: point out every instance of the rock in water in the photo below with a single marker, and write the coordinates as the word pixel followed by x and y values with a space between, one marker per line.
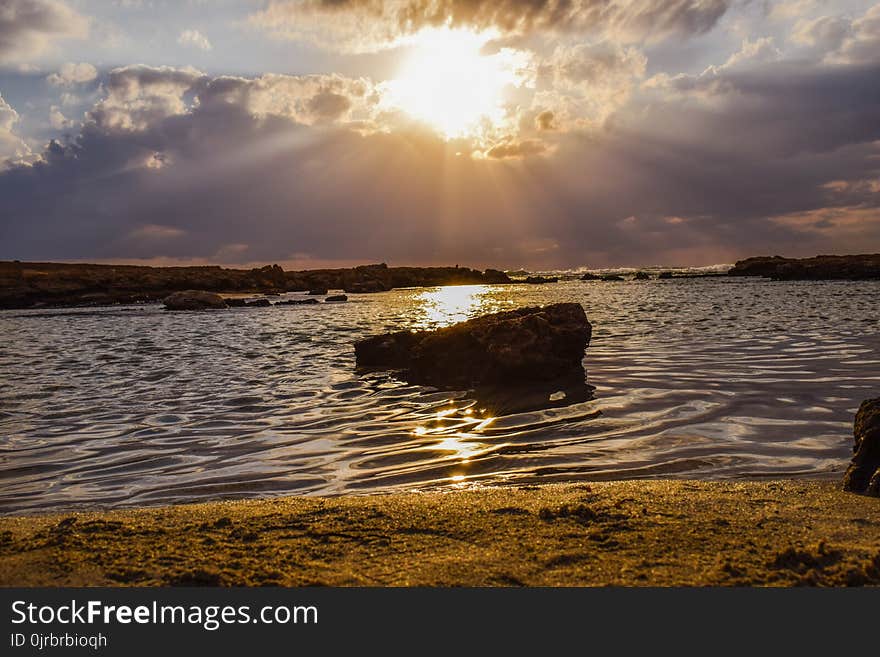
pixel 336 298
pixel 528 346
pixel 863 474
pixel 193 300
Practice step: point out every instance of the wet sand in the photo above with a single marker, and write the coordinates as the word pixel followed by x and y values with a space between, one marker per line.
pixel 654 533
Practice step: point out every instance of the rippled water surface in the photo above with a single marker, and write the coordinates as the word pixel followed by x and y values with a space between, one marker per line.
pixel 694 378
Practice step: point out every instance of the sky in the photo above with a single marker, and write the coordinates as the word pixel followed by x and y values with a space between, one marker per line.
pixel 545 134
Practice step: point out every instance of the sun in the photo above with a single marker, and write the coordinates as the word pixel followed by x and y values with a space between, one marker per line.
pixel 449 83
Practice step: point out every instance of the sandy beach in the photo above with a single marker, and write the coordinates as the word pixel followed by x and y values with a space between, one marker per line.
pixel 632 533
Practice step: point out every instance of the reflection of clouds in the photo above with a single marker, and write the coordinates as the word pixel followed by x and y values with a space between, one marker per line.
pixel 455 303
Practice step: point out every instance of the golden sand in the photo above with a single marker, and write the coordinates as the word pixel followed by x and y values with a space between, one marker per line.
pixel 656 533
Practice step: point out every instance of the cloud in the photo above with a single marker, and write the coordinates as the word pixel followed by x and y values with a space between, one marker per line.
pixel 374 24
pixel 585 83
pixel 12 148
pixel 28 26
pixel 760 153
pixel 862 46
pixel 516 149
pixel 57 119
pixel 545 120
pixel 194 39
pixel 139 96
pixel 156 232
pixel 71 74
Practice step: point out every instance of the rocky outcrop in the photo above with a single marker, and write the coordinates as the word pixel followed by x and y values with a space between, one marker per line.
pixel 318 292
pixel 642 276
pixel 298 302
pixel 665 275
pixel 540 280
pixel 824 267
pixel 336 298
pixel 591 277
pixel 527 346
pixel 495 277
pixel 612 278
pixel 30 284
pixel 258 303
pixel 863 474
pixel 194 300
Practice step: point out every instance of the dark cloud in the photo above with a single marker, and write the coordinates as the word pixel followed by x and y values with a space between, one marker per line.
pixel 370 23
pixel 329 104
pixel 27 26
pixel 545 120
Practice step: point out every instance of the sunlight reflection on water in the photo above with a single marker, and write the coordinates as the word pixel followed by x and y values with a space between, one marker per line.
pixel 447 305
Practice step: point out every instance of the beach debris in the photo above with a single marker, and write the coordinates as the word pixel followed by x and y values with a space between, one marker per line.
pixel 194 300
pixel 863 474
pixel 534 345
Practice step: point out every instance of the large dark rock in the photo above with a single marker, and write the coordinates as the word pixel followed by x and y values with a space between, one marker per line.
pixel 495 277
pixel 540 280
pixel 642 276
pixel 612 278
pixel 863 474
pixel 258 303
pixel 849 267
pixel 518 347
pixel 591 277
pixel 194 300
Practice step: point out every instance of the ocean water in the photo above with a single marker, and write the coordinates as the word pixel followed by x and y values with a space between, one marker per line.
pixel 711 378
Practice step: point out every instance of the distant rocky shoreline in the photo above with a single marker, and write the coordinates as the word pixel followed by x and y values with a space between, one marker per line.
pixel 40 284
pixel 823 267
pixel 34 284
